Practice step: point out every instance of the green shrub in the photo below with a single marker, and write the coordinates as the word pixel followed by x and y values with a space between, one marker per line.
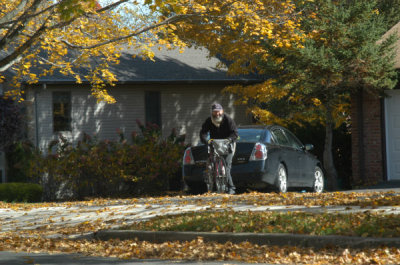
pixel 157 160
pixel 19 155
pixel 10 123
pixel 110 168
pixel 20 192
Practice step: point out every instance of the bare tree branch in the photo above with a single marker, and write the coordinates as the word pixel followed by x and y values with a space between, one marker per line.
pixel 3 24
pixel 18 26
pixel 4 66
pixel 170 20
pixel 7 19
pixel 111 6
pixel 13 13
pixel 21 49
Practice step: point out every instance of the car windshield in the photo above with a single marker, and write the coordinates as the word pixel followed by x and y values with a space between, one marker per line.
pixel 251 135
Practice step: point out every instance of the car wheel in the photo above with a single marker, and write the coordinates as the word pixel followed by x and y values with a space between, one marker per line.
pixel 281 181
pixel 318 185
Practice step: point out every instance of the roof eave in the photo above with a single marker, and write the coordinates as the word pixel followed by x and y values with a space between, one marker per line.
pixel 161 81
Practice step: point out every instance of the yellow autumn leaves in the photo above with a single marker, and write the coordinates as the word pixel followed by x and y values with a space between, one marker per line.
pixel 36 240
pixel 201 250
pixel 238 30
pixel 65 40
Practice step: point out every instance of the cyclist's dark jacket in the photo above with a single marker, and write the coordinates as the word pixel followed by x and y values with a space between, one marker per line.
pixel 226 130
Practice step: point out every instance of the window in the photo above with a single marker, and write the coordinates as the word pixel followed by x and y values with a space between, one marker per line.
pixel 250 135
pixel 153 107
pixel 280 137
pixel 61 111
pixel 293 141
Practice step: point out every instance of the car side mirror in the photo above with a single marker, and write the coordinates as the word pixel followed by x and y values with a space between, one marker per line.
pixel 308 147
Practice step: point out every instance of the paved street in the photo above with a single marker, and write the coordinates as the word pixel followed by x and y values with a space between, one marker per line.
pixel 11 258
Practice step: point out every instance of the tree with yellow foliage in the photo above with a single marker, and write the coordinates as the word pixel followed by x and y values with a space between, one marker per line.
pixel 312 54
pixel 65 35
pixel 341 55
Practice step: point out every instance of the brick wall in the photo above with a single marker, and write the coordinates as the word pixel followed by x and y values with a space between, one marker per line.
pixel 367 163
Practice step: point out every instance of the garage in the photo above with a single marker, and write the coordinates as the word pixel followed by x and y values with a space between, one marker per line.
pixel 392 128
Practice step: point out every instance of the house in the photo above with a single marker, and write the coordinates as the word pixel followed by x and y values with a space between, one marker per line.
pixel 376 133
pixel 175 91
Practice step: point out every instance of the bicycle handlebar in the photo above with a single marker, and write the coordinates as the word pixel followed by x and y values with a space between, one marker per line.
pixel 225 140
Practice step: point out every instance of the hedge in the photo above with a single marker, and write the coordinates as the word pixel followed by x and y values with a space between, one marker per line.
pixel 20 192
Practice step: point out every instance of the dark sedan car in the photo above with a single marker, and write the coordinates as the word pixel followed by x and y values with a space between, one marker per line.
pixel 266 156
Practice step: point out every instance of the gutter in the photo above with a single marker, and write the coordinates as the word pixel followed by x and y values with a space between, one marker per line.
pixel 37 115
pixel 360 127
pixel 159 81
pixel 383 140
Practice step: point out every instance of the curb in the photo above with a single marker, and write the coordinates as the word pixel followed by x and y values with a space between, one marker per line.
pixel 260 238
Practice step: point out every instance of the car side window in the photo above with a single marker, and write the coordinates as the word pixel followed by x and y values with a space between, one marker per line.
pixel 280 137
pixel 268 137
pixel 293 141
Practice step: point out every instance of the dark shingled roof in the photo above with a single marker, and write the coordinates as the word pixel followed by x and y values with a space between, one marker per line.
pixel 191 66
pixel 394 30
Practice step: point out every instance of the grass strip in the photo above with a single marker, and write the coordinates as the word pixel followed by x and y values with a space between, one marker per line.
pixel 365 224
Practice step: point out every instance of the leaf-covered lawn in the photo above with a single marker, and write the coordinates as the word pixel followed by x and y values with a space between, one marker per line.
pixel 200 250
pixel 354 224
pixel 364 223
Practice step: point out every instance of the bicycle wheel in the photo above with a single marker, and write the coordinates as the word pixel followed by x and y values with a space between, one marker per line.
pixel 221 179
pixel 209 178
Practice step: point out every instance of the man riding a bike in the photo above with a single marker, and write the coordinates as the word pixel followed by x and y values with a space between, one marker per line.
pixel 221 126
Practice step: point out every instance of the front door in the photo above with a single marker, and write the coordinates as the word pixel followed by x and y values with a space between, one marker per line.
pixel 392 113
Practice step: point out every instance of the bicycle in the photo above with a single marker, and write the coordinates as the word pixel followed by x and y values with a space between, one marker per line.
pixel 216 165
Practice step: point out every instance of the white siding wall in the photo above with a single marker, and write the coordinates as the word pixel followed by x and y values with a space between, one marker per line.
pixel 186 108
pixel 44 119
pixel 87 116
pixel 104 119
pixel 183 107
pixel 392 121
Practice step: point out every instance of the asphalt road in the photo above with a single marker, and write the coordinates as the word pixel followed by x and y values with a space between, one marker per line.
pixel 12 258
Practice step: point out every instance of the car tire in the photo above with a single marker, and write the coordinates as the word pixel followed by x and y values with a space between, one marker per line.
pixel 281 179
pixel 318 185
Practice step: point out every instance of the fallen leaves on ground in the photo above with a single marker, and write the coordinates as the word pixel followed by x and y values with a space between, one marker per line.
pixel 38 240
pixel 363 199
pixel 200 250
pixel 365 224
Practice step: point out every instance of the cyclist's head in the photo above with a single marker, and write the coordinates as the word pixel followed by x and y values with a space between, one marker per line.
pixel 216 107
pixel 217 112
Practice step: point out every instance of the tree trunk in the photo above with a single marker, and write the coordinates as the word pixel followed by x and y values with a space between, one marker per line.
pixel 330 170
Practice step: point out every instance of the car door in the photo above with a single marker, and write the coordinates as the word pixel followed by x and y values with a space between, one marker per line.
pixel 289 155
pixel 299 154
